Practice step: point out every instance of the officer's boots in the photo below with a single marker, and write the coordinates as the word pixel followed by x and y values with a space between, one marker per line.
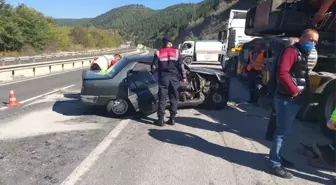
pixel 171 121
pixel 159 122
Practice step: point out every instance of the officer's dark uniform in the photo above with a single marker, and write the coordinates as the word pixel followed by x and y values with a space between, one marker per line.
pixel 169 65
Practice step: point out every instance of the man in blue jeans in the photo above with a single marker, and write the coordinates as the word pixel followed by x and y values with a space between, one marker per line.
pixel 292 92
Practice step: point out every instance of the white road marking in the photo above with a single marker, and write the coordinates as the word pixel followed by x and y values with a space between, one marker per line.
pixel 39 96
pixel 90 160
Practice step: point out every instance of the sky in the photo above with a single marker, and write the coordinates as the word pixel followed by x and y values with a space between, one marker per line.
pixel 89 8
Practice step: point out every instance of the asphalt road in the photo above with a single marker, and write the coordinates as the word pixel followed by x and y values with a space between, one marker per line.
pixel 16 62
pixel 57 140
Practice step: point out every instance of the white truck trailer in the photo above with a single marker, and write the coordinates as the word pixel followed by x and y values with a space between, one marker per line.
pixel 201 51
pixel 233 36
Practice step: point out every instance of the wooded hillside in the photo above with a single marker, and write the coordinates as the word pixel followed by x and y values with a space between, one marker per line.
pixel 144 25
pixel 26 31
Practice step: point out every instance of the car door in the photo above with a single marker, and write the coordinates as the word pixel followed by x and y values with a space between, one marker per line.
pixel 143 91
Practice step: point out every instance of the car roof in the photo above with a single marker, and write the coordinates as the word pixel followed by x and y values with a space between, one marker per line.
pixel 142 58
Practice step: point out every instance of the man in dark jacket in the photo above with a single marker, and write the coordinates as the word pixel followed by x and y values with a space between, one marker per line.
pixel 292 92
pixel 271 87
pixel 169 65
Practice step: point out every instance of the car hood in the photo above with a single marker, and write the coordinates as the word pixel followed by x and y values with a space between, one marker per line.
pixel 93 75
pixel 208 71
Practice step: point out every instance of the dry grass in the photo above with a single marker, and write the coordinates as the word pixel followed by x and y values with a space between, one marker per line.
pixel 28 51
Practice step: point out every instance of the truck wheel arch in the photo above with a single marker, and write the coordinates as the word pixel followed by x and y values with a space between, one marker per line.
pixel 329 81
pixel 329 90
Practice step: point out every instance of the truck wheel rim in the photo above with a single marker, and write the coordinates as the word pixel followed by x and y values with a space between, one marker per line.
pixel 217 98
pixel 119 107
pixel 330 106
pixel 188 60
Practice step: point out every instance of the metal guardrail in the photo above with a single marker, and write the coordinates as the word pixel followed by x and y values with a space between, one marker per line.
pixel 41 58
pixel 13 72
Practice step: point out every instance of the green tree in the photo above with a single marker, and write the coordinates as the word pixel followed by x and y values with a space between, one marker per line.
pixel 33 25
pixel 78 35
pixel 10 30
pixel 60 35
pixel 191 37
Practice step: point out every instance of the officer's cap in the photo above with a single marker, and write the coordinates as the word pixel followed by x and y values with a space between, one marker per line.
pixel 167 39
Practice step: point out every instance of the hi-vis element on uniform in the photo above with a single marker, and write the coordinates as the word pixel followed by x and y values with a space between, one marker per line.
pixel 332 121
pixel 167 54
pixel 257 63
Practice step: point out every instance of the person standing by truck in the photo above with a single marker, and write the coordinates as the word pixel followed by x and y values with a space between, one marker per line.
pixel 291 94
pixel 271 87
pixel 169 65
pixel 254 70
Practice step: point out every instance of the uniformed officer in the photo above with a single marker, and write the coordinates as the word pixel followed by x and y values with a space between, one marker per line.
pixel 170 68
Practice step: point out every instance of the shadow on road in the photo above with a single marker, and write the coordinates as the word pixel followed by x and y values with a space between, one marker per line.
pixel 244 158
pixel 245 124
pixel 74 107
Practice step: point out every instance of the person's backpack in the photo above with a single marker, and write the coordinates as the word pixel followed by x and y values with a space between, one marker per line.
pixel 272 82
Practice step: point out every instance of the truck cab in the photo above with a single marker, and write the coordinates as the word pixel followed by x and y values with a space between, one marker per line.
pixel 233 37
pixel 187 51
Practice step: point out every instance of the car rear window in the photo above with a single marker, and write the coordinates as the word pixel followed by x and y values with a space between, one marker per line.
pixel 117 67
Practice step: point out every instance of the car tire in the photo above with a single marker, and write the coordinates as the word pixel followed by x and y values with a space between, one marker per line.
pixel 118 107
pixel 216 100
pixel 187 60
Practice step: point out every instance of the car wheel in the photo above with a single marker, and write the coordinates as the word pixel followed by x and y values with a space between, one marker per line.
pixel 118 107
pixel 216 100
pixel 187 60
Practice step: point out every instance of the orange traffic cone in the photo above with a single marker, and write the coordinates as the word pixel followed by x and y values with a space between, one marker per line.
pixel 12 100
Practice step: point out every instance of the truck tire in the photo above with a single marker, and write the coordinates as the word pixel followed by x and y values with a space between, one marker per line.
pixel 215 100
pixel 230 67
pixel 326 106
pixel 188 60
pixel 226 67
pixel 234 66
